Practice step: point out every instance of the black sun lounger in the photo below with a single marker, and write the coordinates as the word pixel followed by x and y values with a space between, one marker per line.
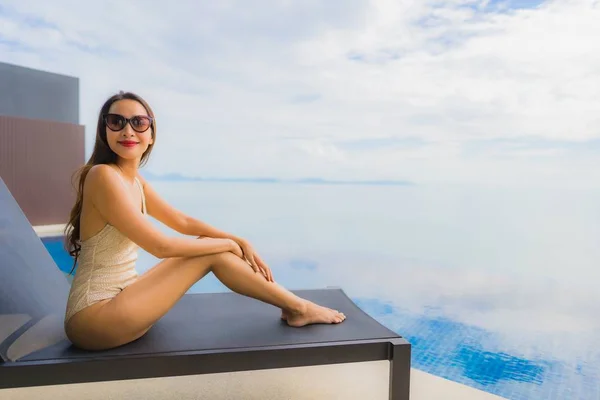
pixel 202 334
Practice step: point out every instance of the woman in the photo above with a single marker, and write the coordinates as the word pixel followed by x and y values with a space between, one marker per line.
pixel 109 304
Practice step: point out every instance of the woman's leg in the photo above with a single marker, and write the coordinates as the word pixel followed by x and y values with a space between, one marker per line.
pixel 132 312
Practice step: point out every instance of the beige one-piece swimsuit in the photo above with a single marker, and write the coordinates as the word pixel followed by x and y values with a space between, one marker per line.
pixel 106 266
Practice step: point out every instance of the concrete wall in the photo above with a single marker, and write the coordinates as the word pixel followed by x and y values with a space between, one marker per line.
pixel 34 94
pixel 41 141
pixel 37 160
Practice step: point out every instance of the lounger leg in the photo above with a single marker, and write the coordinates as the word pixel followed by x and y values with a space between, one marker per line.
pixel 399 369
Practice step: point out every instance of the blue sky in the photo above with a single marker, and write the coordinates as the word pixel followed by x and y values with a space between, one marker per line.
pixel 428 91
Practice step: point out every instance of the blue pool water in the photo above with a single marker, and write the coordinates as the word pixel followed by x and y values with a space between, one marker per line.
pixel 440 346
pixel 491 288
pixel 56 248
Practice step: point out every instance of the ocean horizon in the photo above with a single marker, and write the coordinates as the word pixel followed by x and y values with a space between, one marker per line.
pixel 176 177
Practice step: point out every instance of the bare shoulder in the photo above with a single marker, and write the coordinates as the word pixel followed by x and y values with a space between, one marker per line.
pixel 94 191
pixel 110 197
pixel 100 177
pixel 101 171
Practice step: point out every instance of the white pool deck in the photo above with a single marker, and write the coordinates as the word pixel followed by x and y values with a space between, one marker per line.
pixel 352 381
pixel 360 381
pixel 49 230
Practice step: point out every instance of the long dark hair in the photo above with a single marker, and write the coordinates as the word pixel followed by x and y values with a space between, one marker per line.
pixel 102 154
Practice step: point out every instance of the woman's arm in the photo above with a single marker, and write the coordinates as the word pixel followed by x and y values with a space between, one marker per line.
pixel 178 221
pixel 117 207
pixel 182 223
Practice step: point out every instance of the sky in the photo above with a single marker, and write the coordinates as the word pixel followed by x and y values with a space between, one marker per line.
pixel 430 91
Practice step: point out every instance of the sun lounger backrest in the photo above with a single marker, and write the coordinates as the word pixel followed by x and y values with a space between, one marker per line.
pixel 31 285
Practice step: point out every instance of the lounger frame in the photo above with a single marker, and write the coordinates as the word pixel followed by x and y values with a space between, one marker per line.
pixel 35 373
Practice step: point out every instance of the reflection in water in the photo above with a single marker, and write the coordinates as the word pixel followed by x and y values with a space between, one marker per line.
pixel 440 344
pixel 495 288
pixel 478 363
pixel 515 337
pixel 470 335
pixel 455 351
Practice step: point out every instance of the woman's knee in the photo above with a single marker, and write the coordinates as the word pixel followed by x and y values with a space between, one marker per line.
pixel 204 261
pixel 223 258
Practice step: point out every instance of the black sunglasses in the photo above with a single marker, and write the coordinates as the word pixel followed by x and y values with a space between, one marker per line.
pixel 116 122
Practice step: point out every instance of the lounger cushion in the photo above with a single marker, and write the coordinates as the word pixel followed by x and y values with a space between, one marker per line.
pixel 218 321
pixel 30 282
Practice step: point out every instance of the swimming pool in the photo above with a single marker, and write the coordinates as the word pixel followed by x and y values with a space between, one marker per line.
pixel 55 246
pixel 442 347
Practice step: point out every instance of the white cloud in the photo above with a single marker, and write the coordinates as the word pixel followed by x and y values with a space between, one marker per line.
pixel 225 79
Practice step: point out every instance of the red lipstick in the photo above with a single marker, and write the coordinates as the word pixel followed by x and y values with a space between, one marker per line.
pixel 127 143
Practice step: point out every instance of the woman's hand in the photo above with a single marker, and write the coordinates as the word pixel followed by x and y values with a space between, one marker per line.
pixel 257 264
pixel 236 249
pixel 232 245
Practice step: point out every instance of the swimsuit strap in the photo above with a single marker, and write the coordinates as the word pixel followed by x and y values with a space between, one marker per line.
pixel 143 196
pixel 141 190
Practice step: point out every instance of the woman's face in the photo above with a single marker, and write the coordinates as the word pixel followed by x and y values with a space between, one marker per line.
pixel 129 140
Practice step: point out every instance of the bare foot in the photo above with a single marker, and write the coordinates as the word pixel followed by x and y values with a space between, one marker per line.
pixel 314 314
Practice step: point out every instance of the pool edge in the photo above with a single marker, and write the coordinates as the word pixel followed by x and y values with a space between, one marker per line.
pixel 49 230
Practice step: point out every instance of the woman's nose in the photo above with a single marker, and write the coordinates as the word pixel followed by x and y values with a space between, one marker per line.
pixel 128 130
